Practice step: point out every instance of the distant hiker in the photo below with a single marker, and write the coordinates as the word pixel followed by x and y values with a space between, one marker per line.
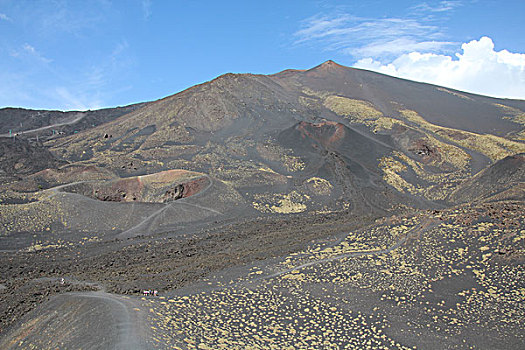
pixel 62 281
pixel 146 293
pixel 155 293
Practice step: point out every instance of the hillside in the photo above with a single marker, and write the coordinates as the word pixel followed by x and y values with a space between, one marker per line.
pixel 329 207
pixel 353 130
pixel 51 124
pixel 502 180
pixel 21 157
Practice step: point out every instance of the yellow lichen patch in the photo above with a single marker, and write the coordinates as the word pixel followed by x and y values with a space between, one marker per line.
pixel 294 275
pixel 311 103
pixel 439 185
pixel 320 186
pixel 36 216
pixel 362 112
pixel 293 163
pixel 290 203
pixel 310 92
pixel 450 154
pixel 262 207
pixel 384 123
pixel 391 174
pixel 273 152
pixel 293 202
pixel 516 115
pixel 268 170
pixel 413 116
pixel 454 93
pixel 355 109
pixel 416 166
pixel 38 247
pixel 492 146
pixel 520 135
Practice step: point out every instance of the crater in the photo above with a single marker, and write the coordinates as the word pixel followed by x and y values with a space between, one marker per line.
pixel 327 133
pixel 162 187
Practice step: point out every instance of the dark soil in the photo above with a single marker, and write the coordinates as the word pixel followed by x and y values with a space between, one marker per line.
pixel 18 156
pixel 163 263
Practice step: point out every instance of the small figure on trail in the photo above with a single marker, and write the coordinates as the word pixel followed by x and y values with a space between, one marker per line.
pixel 62 281
pixel 146 293
pixel 155 293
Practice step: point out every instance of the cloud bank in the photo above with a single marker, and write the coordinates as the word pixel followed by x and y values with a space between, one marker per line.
pixel 478 69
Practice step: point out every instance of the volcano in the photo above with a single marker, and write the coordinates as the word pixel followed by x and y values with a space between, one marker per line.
pixel 393 206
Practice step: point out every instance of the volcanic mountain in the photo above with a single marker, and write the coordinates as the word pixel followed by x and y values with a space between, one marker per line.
pixel 245 168
pixel 327 138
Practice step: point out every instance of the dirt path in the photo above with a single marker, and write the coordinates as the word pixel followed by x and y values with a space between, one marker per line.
pixel 130 325
pixel 69 122
pixel 87 320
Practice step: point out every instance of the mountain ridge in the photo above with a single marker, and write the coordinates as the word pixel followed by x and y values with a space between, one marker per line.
pixel 388 211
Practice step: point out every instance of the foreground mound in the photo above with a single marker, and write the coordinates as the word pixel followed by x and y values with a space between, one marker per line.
pixel 107 322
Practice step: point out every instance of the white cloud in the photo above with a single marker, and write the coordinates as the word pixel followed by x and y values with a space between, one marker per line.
pixel 33 52
pixel 442 6
pixel 29 51
pixel 421 28
pixel 398 46
pixel 376 37
pixel 119 49
pixel 4 17
pixel 478 69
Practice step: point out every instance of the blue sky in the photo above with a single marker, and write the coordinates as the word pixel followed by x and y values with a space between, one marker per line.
pixel 98 53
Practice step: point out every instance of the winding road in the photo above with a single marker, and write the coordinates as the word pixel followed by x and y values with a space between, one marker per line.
pixel 68 122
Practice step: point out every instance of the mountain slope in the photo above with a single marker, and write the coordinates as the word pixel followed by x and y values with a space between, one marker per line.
pixel 46 124
pixel 19 157
pixel 430 138
pixel 327 139
pixel 331 207
pixel 439 105
pixel 505 179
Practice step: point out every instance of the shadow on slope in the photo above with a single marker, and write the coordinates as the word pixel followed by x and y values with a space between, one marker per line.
pixel 504 179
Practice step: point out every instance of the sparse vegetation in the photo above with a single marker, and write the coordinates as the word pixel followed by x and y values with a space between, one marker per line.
pixel 356 110
pixel 281 211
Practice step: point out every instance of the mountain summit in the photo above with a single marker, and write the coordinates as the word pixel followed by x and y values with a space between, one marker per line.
pixel 330 65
